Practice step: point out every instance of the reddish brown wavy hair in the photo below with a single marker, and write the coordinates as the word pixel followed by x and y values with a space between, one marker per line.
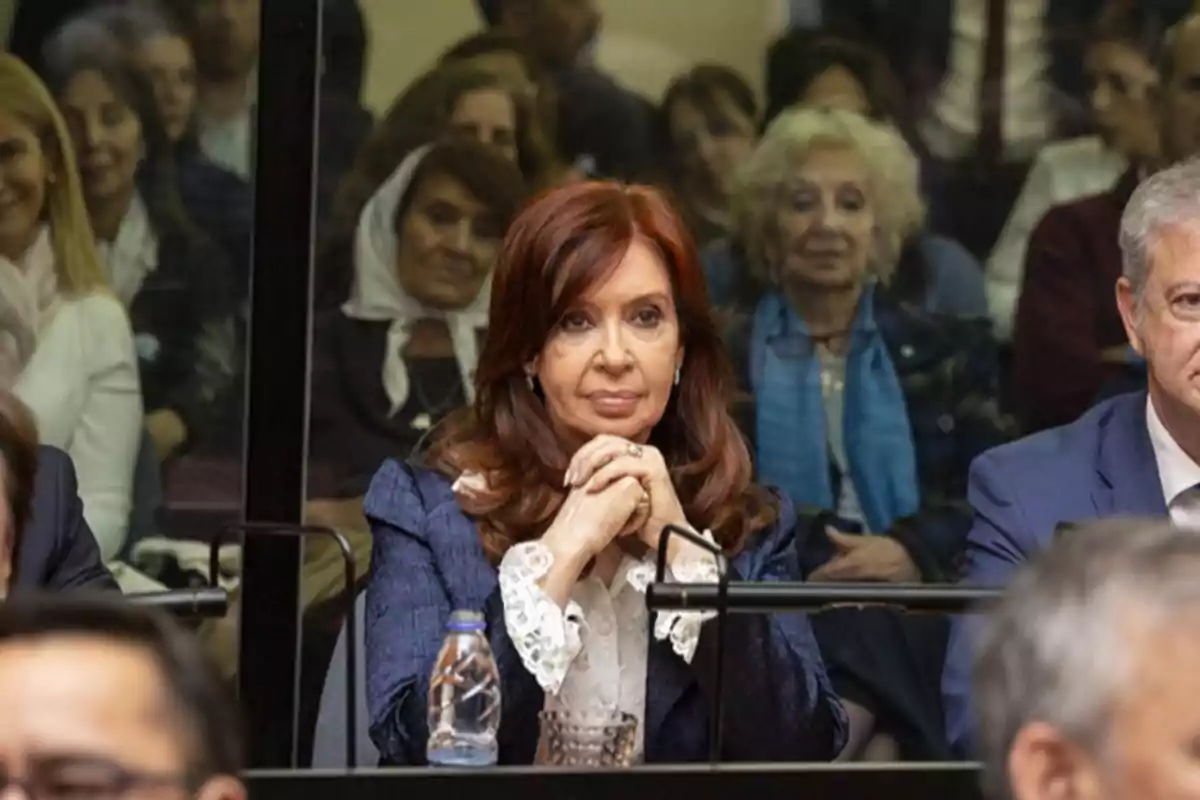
pixel 19 451
pixel 565 242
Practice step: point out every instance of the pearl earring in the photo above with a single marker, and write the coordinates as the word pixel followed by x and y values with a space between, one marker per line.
pixel 677 372
pixel 529 381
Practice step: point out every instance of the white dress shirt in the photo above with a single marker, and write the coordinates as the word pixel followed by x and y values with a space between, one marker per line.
pixel 1179 474
pixel 133 255
pixel 230 142
pixel 1063 172
pixel 951 129
pixel 592 654
pixel 82 385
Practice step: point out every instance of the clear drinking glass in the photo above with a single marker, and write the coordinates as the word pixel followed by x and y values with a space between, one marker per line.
pixel 596 738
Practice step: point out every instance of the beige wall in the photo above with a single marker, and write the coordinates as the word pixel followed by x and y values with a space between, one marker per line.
pixel 404 37
pixel 8 12
pixel 645 42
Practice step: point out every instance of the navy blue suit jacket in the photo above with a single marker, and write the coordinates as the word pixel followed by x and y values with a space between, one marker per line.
pixel 57 551
pixel 428 561
pixel 1102 465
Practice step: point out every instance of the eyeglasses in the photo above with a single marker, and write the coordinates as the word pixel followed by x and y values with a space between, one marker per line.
pixel 83 778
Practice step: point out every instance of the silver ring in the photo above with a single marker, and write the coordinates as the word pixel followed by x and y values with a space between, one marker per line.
pixel 635 450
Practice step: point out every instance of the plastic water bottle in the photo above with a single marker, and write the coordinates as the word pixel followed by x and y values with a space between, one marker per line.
pixel 464 696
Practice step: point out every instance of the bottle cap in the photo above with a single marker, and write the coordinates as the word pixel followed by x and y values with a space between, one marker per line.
pixel 463 620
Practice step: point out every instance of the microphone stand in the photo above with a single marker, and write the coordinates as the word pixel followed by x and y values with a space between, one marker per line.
pixel 348 596
pixel 722 608
pixel 185 604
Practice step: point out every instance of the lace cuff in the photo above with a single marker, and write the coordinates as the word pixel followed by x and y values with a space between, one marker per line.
pixel 681 627
pixel 545 636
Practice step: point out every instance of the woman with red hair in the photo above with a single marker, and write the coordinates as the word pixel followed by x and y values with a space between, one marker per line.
pixel 600 416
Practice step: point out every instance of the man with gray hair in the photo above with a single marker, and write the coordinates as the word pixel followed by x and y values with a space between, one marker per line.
pixel 1137 454
pixel 1086 674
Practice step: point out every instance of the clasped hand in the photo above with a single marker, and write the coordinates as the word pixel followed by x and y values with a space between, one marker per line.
pixel 866 558
pixel 616 488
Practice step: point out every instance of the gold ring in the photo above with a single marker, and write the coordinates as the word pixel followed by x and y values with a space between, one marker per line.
pixel 635 450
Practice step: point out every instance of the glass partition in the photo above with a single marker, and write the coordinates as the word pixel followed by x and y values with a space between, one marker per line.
pixel 881 196
pixel 153 116
pixel 875 171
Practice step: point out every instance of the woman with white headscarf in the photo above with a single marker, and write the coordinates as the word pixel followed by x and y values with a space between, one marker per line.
pixel 401 351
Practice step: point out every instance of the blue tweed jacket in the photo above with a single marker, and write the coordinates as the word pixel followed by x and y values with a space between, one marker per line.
pixel 428 561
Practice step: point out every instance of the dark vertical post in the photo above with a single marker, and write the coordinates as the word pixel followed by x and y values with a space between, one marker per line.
pixel 278 375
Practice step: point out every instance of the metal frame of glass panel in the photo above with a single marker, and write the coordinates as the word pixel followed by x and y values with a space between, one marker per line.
pixel 277 412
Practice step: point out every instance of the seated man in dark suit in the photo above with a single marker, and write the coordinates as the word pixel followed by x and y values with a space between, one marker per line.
pixel 45 544
pixel 1133 455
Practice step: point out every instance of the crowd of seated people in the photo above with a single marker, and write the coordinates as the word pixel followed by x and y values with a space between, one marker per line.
pixel 127 260
pixel 1069 347
pixel 916 247
pixel 459 100
pixel 215 198
pixel 172 279
pixel 930 270
pixel 850 235
pixel 1121 71
pixel 69 349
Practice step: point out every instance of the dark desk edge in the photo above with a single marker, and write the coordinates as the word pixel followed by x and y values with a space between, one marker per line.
pixel 844 781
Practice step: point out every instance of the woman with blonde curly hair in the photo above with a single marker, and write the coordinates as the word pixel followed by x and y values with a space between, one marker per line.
pixel 865 411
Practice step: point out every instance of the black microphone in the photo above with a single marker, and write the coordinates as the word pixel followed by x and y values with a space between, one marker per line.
pixel 293 531
pixel 750 597
pixel 714 722
pixel 207 602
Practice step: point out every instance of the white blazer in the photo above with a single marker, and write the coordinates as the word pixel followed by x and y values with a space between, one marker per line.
pixel 1063 172
pixel 82 385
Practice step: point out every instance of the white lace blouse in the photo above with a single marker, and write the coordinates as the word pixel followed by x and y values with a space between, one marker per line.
pixel 592 654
